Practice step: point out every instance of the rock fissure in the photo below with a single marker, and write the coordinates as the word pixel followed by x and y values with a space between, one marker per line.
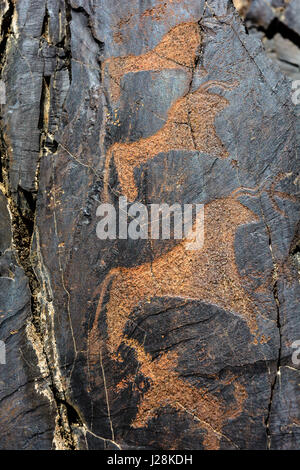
pixel 278 322
pixel 23 232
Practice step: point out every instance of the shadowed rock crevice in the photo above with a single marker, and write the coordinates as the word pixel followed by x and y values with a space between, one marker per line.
pixel 278 321
pixel 22 207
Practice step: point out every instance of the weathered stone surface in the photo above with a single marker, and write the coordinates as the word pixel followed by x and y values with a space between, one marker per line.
pixel 292 16
pixel 143 344
pixel 27 420
pixel 261 13
pixel 277 24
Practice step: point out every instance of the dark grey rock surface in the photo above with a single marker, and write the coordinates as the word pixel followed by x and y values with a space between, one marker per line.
pixel 139 344
pixel 277 24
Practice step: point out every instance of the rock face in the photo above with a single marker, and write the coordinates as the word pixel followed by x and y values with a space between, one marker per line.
pixel 146 344
pixel 277 24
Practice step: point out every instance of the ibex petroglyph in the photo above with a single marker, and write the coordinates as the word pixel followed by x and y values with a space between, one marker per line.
pixel 209 275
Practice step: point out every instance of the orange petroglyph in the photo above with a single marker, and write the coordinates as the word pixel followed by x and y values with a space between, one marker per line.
pixel 190 121
pixel 210 275
pixel 189 126
pixel 186 36
pixel 167 389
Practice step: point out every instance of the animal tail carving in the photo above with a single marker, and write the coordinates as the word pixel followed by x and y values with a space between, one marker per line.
pixel 93 337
